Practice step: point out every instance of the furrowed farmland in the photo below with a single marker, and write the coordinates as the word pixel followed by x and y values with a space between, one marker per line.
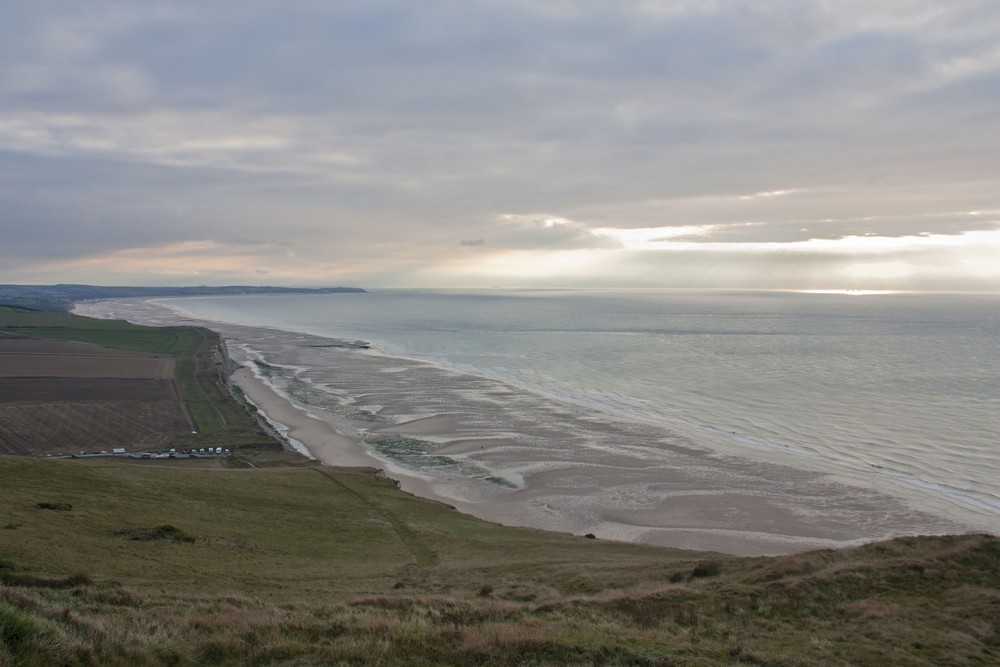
pixel 39 428
pixel 60 396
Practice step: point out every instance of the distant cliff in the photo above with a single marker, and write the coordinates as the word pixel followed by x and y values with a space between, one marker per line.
pixel 62 297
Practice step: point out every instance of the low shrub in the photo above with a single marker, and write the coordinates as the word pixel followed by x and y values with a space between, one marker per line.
pixel 59 507
pixel 164 532
pixel 709 568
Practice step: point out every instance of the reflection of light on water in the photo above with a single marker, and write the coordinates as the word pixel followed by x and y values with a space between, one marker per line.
pixel 848 292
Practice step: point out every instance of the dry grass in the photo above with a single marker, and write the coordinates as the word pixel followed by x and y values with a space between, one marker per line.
pixel 295 566
pixel 725 623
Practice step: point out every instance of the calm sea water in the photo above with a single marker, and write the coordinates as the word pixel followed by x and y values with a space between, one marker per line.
pixel 899 386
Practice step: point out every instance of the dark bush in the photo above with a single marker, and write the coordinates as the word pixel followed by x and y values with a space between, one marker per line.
pixel 59 507
pixel 709 568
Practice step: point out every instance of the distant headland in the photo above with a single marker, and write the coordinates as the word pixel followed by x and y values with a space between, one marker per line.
pixel 62 297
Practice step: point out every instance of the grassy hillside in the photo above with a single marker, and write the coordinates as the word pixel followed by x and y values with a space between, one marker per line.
pixel 115 334
pixel 114 564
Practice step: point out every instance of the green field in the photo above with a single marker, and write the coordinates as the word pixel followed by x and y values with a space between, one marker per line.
pixel 111 562
pixel 115 334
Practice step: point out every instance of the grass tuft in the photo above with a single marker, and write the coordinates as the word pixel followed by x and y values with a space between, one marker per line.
pixel 32 581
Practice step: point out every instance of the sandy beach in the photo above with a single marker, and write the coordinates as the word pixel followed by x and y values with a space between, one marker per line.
pixel 509 456
pixel 319 439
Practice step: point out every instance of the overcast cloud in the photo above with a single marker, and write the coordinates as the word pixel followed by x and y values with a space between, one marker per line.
pixel 767 143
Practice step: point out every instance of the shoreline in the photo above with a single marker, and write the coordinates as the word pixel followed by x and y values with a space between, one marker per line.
pixel 334 448
pixel 561 478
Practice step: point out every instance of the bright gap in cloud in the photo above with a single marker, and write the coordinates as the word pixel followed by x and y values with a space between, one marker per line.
pixel 661 238
pixel 645 238
pixel 769 195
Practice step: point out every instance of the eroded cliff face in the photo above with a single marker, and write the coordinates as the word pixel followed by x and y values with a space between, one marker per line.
pixel 227 364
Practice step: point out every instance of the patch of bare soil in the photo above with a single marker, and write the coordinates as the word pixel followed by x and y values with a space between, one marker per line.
pixel 78 390
pixel 35 357
pixel 84 366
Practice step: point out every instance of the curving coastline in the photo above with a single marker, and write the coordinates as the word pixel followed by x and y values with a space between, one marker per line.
pixel 520 461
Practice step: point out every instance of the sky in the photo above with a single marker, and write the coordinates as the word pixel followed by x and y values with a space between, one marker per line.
pixel 777 144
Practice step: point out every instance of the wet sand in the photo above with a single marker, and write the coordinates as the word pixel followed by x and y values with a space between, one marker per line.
pixel 506 455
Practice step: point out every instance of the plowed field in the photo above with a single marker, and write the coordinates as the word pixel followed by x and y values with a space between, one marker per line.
pixel 58 396
pixel 76 390
pixel 27 357
pixel 40 428
pixel 60 365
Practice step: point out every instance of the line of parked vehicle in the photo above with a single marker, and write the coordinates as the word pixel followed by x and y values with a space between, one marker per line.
pixel 158 454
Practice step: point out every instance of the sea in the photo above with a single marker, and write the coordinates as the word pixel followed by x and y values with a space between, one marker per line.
pixel 896 390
